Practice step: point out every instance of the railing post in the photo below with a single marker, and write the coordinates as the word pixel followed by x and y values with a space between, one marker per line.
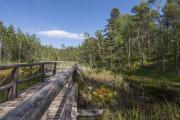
pixel 12 92
pixel 43 72
pixel 54 69
pixel 30 70
pixel 16 78
pixel 75 74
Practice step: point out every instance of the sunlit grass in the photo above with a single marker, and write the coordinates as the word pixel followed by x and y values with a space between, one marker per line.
pixel 166 111
pixel 104 76
pixel 151 73
pixel 141 101
pixel 3 75
pixel 133 114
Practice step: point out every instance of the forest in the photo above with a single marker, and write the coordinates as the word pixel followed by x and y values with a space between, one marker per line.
pixel 17 46
pixel 136 57
pixel 146 37
pixel 141 49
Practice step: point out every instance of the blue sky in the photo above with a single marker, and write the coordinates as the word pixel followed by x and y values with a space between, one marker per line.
pixel 58 22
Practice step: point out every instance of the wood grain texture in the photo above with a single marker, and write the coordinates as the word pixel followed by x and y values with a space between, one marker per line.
pixel 35 106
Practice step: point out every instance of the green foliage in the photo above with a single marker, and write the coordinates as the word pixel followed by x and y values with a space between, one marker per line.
pixel 20 47
pixel 125 101
pixel 146 37
pixel 23 86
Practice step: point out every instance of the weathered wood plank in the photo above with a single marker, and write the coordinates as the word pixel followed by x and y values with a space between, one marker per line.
pixel 14 81
pixel 90 112
pixel 54 68
pixel 4 67
pixel 12 92
pixel 9 105
pixel 55 108
pixel 6 86
pixel 74 113
pixel 67 108
pixel 34 108
pixel 13 78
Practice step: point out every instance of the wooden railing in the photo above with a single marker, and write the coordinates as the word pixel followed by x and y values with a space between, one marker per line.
pixel 38 105
pixel 34 107
pixel 9 88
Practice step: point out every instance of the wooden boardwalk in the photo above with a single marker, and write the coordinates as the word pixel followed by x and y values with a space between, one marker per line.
pixel 57 108
pixel 60 105
pixel 54 98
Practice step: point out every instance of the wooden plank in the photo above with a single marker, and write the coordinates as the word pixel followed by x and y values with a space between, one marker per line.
pixel 67 108
pixel 34 108
pixel 15 78
pixel 90 112
pixel 25 95
pixel 74 113
pixel 4 67
pixel 54 68
pixel 43 72
pixel 6 86
pixel 55 108
pixel 12 92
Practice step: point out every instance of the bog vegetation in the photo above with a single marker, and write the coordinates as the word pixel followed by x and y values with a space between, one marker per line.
pixel 128 99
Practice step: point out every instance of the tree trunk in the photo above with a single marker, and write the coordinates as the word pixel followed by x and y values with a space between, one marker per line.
pixel 19 54
pixel 129 52
pixel 149 49
pixel 99 50
pixel 163 52
pixel 90 60
pixel 175 50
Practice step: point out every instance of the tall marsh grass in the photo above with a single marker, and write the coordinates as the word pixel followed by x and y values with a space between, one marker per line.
pixel 141 101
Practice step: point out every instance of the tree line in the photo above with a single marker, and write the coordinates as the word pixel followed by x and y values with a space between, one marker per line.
pixel 148 36
pixel 17 46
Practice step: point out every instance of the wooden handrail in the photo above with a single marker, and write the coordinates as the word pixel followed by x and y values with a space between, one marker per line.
pixel 6 86
pixel 14 76
pixel 59 92
pixel 10 66
pixel 34 107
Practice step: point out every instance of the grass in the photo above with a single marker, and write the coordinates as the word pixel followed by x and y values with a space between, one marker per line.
pixel 154 71
pixel 3 75
pixel 159 112
pixel 23 86
pixel 130 97
pixel 154 74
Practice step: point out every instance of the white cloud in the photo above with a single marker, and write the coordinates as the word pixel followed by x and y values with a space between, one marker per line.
pixel 62 34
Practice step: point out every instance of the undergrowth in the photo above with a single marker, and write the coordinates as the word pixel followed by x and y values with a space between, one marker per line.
pixel 124 97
